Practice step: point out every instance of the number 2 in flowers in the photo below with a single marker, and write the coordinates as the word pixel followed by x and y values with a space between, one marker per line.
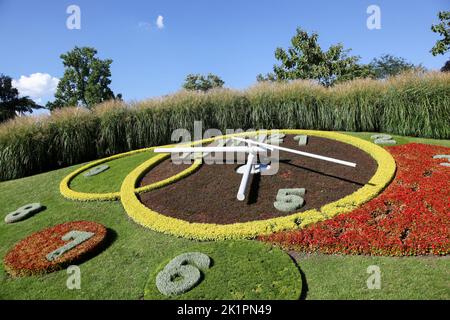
pixel 383 139
pixel 77 238
pixel 443 156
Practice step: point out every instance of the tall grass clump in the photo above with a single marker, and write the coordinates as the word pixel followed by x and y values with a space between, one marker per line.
pixel 410 104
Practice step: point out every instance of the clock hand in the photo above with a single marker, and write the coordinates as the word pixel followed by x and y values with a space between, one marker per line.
pixel 248 168
pixel 302 153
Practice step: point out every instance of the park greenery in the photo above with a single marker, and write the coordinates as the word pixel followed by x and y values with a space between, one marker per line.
pixel 10 102
pixel 442 45
pixel 198 82
pixel 407 105
pixel 241 269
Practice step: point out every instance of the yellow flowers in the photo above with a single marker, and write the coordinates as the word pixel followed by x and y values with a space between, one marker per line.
pixel 206 231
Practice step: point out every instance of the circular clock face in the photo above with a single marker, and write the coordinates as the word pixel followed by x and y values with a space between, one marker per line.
pixel 261 192
pixel 209 194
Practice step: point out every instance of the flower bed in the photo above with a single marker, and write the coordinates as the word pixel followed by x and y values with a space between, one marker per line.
pixel 411 217
pixel 249 230
pixel 29 256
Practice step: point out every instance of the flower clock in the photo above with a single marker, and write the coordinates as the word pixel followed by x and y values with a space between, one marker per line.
pixel 249 184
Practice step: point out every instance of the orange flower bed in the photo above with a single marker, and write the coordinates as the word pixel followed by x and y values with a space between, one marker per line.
pixel 29 256
pixel 411 217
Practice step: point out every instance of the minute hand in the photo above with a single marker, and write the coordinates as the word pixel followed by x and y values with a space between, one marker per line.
pixel 302 153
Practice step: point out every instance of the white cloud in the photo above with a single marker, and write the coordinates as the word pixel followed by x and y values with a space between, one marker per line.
pixel 37 86
pixel 160 22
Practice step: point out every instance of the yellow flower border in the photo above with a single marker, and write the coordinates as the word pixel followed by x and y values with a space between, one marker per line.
pixel 207 231
pixel 68 193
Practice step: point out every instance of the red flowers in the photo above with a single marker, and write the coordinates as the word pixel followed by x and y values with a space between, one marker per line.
pixel 28 257
pixel 411 217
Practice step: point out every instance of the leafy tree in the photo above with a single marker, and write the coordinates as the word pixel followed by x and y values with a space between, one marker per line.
pixel 10 102
pixel 388 65
pixel 306 60
pixel 201 83
pixel 86 80
pixel 443 29
pixel 446 67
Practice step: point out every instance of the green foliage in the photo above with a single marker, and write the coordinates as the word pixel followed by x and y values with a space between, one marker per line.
pixel 85 82
pixel 405 105
pixel 446 67
pixel 199 82
pixel 443 29
pixel 305 59
pixel 10 102
pixel 388 65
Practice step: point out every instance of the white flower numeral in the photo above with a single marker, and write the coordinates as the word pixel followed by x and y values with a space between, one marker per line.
pixel 443 156
pixel 289 199
pixel 77 238
pixel 182 273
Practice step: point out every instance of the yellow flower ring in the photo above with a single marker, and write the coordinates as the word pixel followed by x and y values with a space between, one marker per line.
pixel 207 231
pixel 67 192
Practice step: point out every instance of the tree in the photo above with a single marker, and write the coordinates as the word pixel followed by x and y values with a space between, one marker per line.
pixel 10 102
pixel 446 67
pixel 201 83
pixel 388 65
pixel 306 60
pixel 443 29
pixel 86 80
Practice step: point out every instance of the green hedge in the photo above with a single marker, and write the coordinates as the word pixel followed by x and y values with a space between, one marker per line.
pixel 413 105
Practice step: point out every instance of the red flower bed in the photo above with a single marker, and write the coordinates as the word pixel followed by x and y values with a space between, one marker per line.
pixel 411 217
pixel 28 257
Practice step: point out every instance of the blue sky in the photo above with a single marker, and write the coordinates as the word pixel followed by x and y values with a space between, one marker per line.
pixel 233 39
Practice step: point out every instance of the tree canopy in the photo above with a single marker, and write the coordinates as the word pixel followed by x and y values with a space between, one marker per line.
pixel 443 29
pixel 305 59
pixel 85 81
pixel 388 65
pixel 10 103
pixel 199 82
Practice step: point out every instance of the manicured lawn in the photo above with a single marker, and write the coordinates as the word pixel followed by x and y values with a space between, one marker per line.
pixel 111 179
pixel 344 277
pixel 241 269
pixel 401 139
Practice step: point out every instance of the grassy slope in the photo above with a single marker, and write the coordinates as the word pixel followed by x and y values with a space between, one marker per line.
pixel 121 271
pixel 138 252
pixel 111 179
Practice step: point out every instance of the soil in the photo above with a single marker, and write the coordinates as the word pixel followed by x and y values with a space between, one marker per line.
pixel 209 194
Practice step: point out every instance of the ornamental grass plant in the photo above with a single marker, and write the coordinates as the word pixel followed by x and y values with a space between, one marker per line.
pixel 409 104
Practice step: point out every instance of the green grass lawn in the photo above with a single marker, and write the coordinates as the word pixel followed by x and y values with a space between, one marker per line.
pixel 241 269
pixel 401 139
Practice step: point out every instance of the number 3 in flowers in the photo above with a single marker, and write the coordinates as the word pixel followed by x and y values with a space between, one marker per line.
pixel 443 156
